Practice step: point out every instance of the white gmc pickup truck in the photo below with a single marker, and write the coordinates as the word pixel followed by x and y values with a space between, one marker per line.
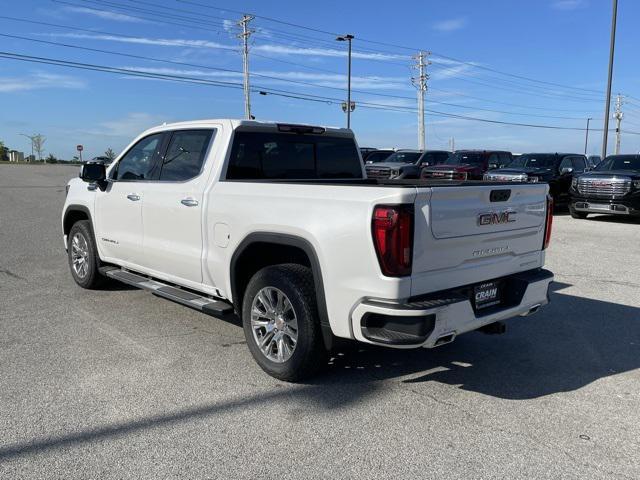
pixel 279 223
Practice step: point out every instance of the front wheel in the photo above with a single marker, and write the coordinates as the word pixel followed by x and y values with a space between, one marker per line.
pixel 281 324
pixel 83 256
pixel 576 214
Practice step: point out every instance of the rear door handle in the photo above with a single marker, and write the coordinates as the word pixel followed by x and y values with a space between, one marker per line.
pixel 189 202
pixel 134 197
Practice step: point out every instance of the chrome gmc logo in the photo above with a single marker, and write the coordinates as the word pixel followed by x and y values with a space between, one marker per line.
pixel 601 184
pixel 496 218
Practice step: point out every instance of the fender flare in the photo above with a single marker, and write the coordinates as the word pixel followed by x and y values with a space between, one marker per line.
pixel 77 208
pixel 292 241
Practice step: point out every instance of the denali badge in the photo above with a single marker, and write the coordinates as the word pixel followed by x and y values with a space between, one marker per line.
pixel 496 218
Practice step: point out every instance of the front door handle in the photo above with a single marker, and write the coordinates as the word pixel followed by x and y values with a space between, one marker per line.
pixel 189 202
pixel 134 197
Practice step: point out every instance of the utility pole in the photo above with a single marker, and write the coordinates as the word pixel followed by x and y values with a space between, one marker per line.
pixel 618 116
pixel 586 137
pixel 349 107
pixel 420 82
pixel 607 105
pixel 244 36
pixel 452 144
pixel 31 139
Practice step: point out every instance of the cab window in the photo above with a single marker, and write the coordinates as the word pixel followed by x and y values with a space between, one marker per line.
pixel 185 154
pixel 579 164
pixel 565 163
pixel 140 161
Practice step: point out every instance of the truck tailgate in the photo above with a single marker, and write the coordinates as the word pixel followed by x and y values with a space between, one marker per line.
pixel 472 233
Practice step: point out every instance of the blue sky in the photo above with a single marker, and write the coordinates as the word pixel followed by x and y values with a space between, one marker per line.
pixel 562 42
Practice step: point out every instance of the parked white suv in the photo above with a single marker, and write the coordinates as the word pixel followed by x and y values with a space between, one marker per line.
pixel 278 223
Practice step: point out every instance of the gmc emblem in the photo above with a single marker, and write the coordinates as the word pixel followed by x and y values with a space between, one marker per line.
pixel 496 218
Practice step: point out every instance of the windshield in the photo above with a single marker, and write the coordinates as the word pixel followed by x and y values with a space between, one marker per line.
pixel 540 160
pixel 620 162
pixel 459 158
pixel 403 157
pixel 376 157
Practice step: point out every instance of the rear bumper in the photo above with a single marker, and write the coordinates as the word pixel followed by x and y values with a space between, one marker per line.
pixel 437 318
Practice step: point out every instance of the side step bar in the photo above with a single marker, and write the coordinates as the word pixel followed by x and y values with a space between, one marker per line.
pixel 164 290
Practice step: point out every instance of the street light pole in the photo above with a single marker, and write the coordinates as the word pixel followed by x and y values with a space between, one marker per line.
pixel 605 132
pixel 348 38
pixel 586 138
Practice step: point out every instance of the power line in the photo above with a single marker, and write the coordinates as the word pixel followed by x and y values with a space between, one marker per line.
pixel 402 47
pixel 167 22
pixel 271 77
pixel 269 91
pixel 327 43
pixel 467 78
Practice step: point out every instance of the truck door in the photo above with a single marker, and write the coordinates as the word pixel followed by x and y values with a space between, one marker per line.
pixel 118 219
pixel 172 211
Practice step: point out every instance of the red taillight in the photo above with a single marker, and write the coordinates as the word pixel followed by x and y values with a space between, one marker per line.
pixel 548 223
pixel 392 229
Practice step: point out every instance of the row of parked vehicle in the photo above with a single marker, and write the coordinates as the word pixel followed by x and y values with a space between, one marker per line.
pixel 585 184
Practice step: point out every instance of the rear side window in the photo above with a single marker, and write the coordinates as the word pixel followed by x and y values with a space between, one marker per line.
pixel 140 161
pixel 185 154
pixel 281 156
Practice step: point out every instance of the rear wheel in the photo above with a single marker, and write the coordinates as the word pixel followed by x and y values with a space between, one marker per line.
pixel 83 256
pixel 281 324
pixel 576 214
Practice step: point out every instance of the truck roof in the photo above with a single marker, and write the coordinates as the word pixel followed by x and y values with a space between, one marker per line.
pixel 235 123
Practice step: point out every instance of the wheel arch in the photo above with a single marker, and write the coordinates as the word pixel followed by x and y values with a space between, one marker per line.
pixel 275 248
pixel 73 214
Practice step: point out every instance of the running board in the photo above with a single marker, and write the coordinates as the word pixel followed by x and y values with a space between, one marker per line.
pixel 164 290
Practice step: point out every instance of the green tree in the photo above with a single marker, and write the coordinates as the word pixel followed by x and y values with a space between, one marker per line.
pixel 51 158
pixel 110 154
pixel 3 151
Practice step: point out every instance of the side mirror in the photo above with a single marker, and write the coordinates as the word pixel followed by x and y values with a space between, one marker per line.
pixel 93 172
pixel 566 171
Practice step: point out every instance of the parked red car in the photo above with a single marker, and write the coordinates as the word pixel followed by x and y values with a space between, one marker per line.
pixel 468 165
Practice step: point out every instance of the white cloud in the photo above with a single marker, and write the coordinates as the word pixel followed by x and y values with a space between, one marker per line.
pixel 230 26
pixel 265 48
pixel 38 81
pixel 106 14
pixel 129 126
pixel 163 42
pixel 450 25
pixel 325 52
pixel 449 72
pixel 568 4
pixel 281 78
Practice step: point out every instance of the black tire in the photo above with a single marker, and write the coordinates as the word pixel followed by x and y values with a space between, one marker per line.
pixel 91 278
pixel 309 355
pixel 577 215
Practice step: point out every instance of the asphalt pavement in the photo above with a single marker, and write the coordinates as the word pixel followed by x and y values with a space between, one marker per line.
pixel 121 384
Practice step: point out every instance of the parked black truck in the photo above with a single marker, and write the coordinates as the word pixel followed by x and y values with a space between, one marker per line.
pixel 613 187
pixel 557 169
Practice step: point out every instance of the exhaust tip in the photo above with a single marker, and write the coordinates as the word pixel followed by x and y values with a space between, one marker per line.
pixel 531 311
pixel 444 339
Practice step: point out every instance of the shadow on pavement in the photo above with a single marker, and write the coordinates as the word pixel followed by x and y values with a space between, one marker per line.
pixel 614 219
pixel 570 343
